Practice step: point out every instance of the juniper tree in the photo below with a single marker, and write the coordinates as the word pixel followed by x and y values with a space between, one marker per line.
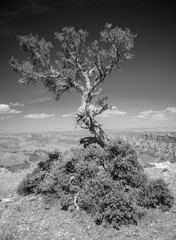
pixel 77 66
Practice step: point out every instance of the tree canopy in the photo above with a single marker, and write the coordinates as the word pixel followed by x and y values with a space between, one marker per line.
pixel 79 66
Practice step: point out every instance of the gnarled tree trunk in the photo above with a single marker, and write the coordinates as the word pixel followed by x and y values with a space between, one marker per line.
pixel 86 120
pixel 99 135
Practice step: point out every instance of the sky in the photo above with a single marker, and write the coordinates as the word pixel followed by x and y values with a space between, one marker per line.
pixel 144 92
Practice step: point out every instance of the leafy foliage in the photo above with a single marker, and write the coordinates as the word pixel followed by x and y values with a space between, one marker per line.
pixel 74 59
pixel 109 202
pixel 30 184
pixel 156 194
pixel 78 65
pixel 109 184
pixel 123 166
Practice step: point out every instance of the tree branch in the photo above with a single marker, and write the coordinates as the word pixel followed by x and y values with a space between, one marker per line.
pixel 96 93
pixel 78 87
pixel 75 199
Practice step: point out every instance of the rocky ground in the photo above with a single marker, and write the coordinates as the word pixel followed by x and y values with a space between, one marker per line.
pixel 31 218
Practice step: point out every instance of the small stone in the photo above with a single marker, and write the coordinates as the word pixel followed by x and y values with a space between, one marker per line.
pixel 155 232
pixel 128 234
pixel 165 170
pixel 136 233
pixel 47 208
pixel 149 165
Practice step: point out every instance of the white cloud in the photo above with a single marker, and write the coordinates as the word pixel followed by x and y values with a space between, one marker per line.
pixel 42 99
pixel 140 116
pixel 147 113
pixel 156 114
pixel 16 104
pixel 160 116
pixel 6 117
pixel 171 109
pixel 67 115
pixel 39 116
pixel 112 113
pixel 107 113
pixel 5 108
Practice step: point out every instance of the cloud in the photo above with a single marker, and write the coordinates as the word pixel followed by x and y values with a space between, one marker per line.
pixel 5 108
pixel 39 116
pixel 160 116
pixel 171 109
pixel 16 104
pixel 6 117
pixel 112 113
pixel 107 113
pixel 67 115
pixel 42 99
pixel 147 113
pixel 156 114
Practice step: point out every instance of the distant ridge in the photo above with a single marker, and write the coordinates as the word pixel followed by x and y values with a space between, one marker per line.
pixel 161 129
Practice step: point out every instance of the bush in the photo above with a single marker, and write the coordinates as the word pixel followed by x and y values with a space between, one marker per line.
pixel 30 184
pixel 68 176
pixel 123 165
pixel 109 203
pixel 109 184
pixel 156 194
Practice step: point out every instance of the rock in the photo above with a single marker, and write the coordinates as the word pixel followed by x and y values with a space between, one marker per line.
pixel 173 160
pixel 4 200
pixel 149 165
pixel 165 170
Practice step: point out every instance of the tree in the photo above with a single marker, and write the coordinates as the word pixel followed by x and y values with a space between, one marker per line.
pixel 77 66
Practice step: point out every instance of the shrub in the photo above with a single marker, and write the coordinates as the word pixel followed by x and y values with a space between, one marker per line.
pixel 123 165
pixel 110 203
pixel 68 176
pixel 105 184
pixel 109 183
pixel 156 194
pixel 30 184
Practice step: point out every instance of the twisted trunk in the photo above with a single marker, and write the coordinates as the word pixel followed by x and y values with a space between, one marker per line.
pixel 86 120
pixel 95 129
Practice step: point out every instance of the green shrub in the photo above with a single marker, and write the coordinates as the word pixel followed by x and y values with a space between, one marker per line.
pixel 156 194
pixel 109 184
pixel 30 184
pixel 109 203
pixel 123 165
pixel 67 177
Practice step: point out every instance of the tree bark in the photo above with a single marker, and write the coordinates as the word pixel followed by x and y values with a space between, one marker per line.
pixel 99 135
pixel 95 129
pixel 85 119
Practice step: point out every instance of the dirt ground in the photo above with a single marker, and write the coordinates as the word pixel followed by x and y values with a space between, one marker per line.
pixel 31 218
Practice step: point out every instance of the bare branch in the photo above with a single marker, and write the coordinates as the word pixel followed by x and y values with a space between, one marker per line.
pixel 97 93
pixel 78 87
pixel 75 203
pixel 87 80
